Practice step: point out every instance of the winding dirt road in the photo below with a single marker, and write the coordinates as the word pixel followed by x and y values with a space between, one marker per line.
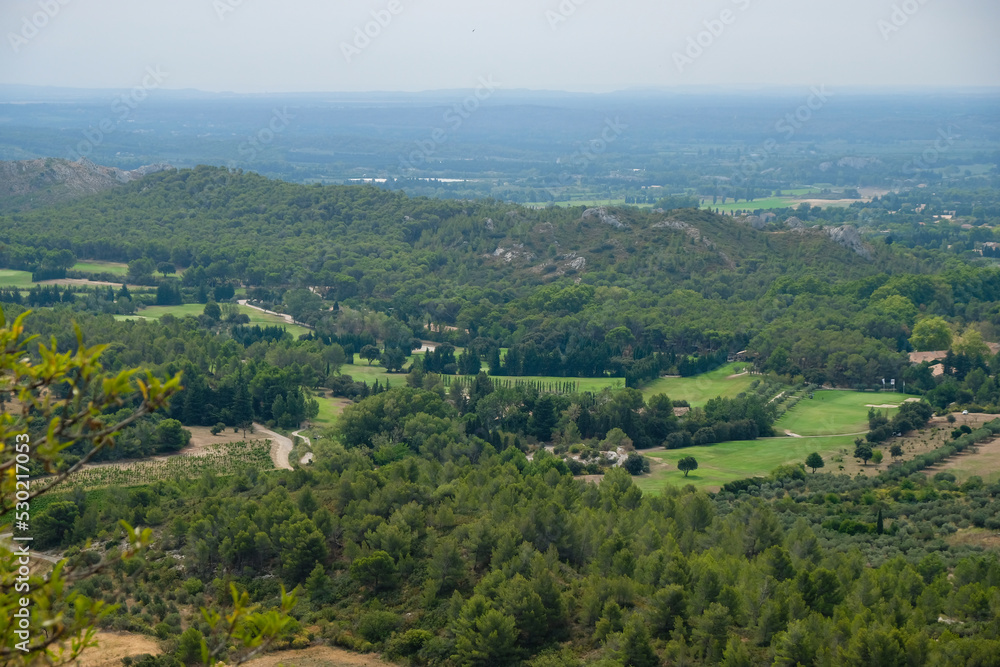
pixel 281 447
pixel 308 458
pixel 288 318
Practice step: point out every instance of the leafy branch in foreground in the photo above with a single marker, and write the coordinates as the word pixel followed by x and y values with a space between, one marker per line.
pixel 62 401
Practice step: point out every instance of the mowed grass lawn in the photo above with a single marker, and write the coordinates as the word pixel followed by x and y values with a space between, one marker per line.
pixel 101 267
pixel 699 389
pixel 730 461
pixel 11 278
pixel 834 412
pixel 196 309
pixel 329 410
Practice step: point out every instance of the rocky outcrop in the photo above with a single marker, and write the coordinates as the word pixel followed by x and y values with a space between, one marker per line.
pixel 602 214
pixel 516 251
pixel 754 221
pixel 849 237
pixel 794 223
pixel 33 183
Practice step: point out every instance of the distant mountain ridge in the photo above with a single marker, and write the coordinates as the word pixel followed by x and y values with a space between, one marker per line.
pixel 30 184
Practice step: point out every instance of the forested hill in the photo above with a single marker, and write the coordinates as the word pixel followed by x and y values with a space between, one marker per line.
pixel 272 233
pixel 681 282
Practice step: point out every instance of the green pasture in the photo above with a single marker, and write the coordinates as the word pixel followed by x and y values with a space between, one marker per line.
pixel 699 389
pixel 101 267
pixel 731 461
pixel 834 412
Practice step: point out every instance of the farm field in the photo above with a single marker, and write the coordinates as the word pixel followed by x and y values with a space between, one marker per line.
pixel 699 389
pixel 222 459
pixel 790 198
pixel 834 412
pixel 731 461
pixel 101 267
pixel 195 309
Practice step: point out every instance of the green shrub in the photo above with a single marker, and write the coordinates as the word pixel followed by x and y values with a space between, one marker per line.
pixel 376 626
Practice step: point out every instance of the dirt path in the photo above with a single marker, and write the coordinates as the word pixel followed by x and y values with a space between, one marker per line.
pixel 307 458
pixel 8 543
pixel 281 447
pixel 284 316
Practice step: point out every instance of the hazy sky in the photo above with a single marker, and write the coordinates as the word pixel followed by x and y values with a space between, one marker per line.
pixel 580 45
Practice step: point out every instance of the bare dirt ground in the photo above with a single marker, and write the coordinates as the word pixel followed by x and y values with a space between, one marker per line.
pixel 983 461
pixel 113 646
pixel 937 434
pixel 318 656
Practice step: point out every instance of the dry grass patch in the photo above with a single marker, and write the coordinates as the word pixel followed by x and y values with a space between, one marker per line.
pixel 318 656
pixel 975 537
pixel 113 646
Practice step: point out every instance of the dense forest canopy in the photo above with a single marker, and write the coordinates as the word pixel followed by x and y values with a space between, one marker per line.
pixel 550 282
pixel 442 518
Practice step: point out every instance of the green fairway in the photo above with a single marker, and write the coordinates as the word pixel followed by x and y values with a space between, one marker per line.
pixel 834 412
pixel 196 309
pixel 101 267
pixel 11 278
pixel 364 373
pixel 329 410
pixel 699 389
pixel 730 461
